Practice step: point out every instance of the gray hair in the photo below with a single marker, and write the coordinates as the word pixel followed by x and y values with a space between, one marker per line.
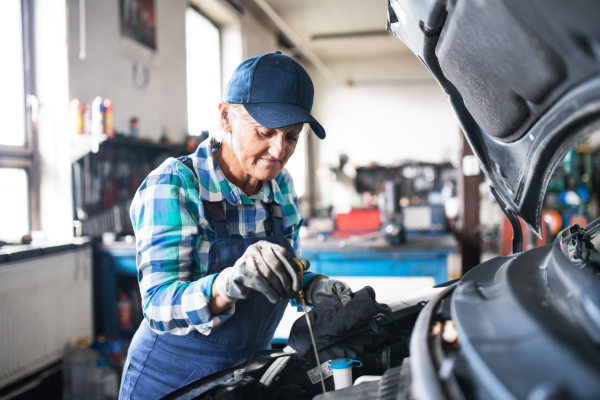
pixel 238 111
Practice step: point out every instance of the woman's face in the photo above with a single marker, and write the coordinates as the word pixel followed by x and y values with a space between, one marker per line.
pixel 263 152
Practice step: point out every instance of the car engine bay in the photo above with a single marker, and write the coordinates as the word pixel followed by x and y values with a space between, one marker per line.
pixel 526 330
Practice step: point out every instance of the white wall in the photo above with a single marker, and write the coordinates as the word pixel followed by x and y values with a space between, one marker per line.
pixel 256 38
pixel 395 110
pixel 107 70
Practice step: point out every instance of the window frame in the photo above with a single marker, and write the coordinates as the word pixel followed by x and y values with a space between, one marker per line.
pixel 24 157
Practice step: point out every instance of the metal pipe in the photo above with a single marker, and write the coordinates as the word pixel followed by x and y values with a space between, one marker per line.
pixel 82 39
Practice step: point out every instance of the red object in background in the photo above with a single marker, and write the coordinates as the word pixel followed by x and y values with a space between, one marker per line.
pixel 359 219
pixel 352 232
pixel 124 311
pixel 577 219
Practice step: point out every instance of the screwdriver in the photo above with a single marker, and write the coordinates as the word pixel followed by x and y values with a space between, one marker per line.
pixel 312 337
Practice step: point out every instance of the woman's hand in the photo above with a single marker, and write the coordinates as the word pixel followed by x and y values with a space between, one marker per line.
pixel 265 267
pixel 322 288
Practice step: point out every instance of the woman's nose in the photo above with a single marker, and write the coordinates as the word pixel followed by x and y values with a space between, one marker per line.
pixel 277 149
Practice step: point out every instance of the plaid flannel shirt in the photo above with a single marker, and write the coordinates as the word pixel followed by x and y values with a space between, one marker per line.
pixel 173 236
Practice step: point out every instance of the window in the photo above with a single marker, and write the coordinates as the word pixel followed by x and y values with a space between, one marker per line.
pixel 16 144
pixel 203 66
pixel 14 204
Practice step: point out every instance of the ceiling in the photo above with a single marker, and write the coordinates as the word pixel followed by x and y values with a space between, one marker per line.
pixel 336 29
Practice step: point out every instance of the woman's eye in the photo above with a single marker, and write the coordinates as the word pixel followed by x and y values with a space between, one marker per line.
pixel 265 134
pixel 292 139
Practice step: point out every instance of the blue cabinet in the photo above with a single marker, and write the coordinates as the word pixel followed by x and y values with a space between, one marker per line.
pixel 423 255
pixel 116 271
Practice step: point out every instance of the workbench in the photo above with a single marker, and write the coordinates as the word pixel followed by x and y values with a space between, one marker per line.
pixel 420 255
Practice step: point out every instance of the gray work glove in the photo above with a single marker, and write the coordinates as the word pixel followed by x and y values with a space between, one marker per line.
pixel 322 288
pixel 265 267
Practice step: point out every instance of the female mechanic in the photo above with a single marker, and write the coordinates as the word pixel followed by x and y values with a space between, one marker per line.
pixel 216 234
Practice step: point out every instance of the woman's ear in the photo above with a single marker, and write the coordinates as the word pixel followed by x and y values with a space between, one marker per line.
pixel 224 117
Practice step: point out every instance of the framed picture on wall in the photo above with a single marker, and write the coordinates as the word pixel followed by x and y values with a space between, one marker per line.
pixel 138 21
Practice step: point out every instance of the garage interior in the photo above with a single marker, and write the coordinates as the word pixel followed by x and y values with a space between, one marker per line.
pixel 100 93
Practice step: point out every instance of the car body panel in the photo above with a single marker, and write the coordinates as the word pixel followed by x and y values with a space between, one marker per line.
pixel 522 77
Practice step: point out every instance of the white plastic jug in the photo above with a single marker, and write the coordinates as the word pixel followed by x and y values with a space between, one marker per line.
pixel 342 371
pixel 106 382
pixel 78 372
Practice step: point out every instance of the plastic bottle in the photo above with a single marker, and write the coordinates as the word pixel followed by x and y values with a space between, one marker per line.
pixel 79 367
pixel 124 311
pixel 97 116
pixel 342 371
pixel 97 122
pixel 134 127
pixel 106 381
pixel 108 119
pixel 76 117
pixel 87 119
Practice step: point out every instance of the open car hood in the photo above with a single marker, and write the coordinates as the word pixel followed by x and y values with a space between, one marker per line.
pixel 522 76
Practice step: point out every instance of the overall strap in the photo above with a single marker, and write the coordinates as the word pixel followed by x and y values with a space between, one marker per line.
pixel 274 210
pixel 212 209
pixel 216 217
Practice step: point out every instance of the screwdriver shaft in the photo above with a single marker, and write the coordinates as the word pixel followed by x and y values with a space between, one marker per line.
pixel 310 330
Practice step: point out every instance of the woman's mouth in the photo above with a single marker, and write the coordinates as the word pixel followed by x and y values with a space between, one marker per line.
pixel 269 161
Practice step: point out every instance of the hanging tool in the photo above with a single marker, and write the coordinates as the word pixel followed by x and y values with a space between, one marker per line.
pixel 312 337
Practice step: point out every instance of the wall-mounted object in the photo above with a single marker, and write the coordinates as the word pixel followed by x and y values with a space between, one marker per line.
pixel 105 182
pixel 141 75
pixel 138 21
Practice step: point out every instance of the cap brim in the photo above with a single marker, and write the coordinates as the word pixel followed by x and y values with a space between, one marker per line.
pixel 278 115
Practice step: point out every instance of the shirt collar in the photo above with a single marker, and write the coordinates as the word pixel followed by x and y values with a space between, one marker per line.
pixel 215 187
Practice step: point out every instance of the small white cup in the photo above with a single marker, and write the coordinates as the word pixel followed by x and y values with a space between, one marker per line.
pixel 108 238
pixel 342 371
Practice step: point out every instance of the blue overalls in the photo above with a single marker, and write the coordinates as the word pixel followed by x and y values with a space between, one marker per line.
pixel 158 364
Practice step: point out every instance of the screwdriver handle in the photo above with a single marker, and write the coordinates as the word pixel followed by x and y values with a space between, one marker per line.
pixel 301 266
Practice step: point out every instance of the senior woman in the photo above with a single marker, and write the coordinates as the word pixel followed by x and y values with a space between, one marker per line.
pixel 216 234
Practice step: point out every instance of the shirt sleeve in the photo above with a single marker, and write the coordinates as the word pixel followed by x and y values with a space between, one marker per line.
pixel 164 214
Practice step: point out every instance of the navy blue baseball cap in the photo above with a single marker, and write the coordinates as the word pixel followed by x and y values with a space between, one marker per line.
pixel 275 90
